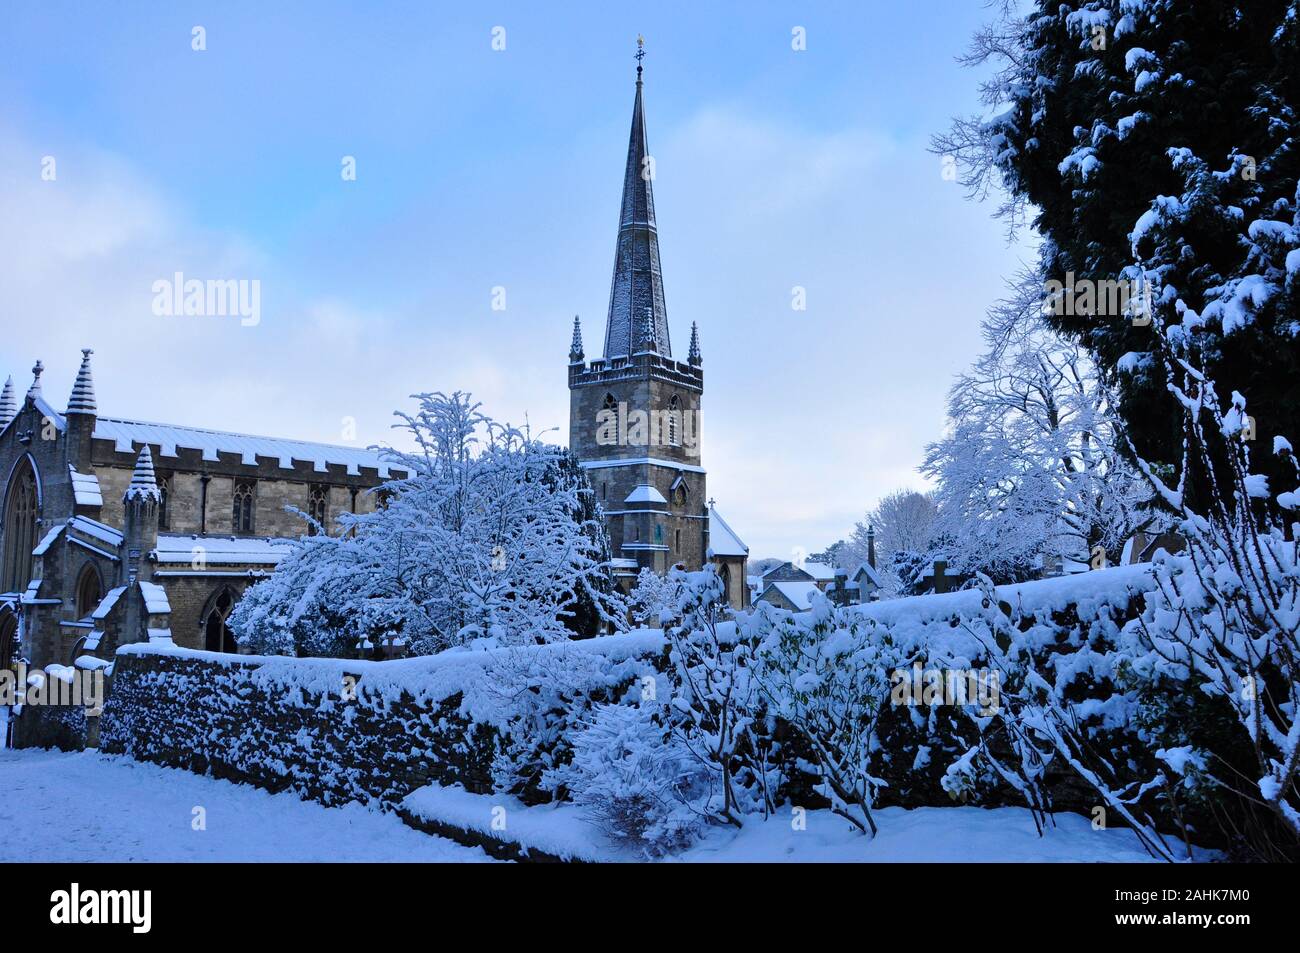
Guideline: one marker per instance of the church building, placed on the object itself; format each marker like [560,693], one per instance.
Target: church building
[634,413]
[114,531]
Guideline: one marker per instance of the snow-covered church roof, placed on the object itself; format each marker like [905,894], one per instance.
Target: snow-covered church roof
[126,434]
[723,541]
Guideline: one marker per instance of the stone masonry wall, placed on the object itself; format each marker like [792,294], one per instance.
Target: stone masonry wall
[219,717]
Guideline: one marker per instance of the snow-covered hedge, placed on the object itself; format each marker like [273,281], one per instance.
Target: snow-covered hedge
[340,730]
[735,717]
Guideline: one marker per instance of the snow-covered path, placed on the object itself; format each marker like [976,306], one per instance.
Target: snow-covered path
[64,807]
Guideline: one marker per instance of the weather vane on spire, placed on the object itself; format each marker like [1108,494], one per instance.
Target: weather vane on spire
[640,51]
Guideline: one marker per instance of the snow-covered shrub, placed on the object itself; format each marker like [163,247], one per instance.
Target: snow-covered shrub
[827,674]
[493,538]
[1224,620]
[634,781]
[539,703]
[717,709]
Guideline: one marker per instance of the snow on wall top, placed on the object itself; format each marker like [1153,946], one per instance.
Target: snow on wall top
[85,488]
[96,529]
[44,545]
[428,678]
[106,604]
[126,434]
[155,598]
[221,549]
[645,493]
[1044,595]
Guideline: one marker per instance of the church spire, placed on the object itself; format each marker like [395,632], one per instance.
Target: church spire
[83,391]
[8,404]
[575,349]
[693,356]
[638,318]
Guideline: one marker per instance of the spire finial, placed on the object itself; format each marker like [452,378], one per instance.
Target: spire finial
[575,349]
[83,391]
[35,390]
[144,484]
[693,354]
[8,404]
[640,55]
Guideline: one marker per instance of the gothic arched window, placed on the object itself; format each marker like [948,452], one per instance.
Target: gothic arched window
[8,638]
[90,591]
[318,507]
[244,498]
[610,403]
[22,503]
[217,636]
[674,422]
[164,481]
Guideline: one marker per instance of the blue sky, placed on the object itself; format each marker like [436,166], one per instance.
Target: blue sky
[479,168]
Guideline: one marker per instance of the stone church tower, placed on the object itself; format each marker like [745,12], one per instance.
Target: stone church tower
[634,414]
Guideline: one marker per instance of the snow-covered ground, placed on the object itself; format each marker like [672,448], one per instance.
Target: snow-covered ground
[925,835]
[64,807]
[94,807]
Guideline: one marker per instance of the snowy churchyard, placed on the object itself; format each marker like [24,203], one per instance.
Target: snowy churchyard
[360,510]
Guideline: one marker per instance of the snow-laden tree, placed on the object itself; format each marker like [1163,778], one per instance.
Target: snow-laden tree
[1161,132]
[655,598]
[490,537]
[1031,467]
[903,523]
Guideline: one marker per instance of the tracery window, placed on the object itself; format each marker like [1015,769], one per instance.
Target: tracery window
[164,481]
[245,498]
[22,503]
[318,506]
